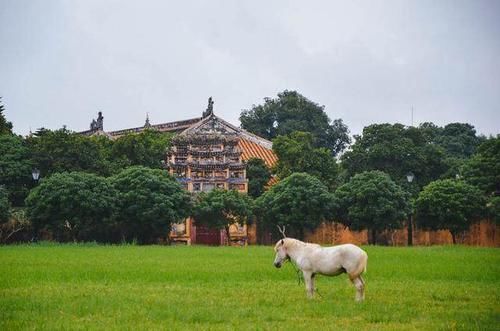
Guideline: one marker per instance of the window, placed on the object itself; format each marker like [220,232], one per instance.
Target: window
[220,174]
[236,174]
[238,187]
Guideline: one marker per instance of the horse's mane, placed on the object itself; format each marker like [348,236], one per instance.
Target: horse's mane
[292,242]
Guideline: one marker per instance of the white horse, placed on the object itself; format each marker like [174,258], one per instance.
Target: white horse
[313,259]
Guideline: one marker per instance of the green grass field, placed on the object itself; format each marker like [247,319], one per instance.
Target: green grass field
[55,287]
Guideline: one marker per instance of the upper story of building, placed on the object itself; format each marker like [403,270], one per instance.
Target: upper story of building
[199,129]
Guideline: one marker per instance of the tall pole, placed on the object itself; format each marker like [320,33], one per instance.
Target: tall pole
[410,229]
[409,177]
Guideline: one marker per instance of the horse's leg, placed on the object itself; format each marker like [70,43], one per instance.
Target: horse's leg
[360,287]
[313,277]
[363,288]
[308,280]
[362,281]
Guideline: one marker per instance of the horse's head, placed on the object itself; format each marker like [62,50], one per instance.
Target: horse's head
[281,255]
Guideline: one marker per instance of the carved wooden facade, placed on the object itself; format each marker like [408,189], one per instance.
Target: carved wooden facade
[209,155]
[204,162]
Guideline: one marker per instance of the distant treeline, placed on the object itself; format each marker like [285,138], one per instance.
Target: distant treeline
[95,188]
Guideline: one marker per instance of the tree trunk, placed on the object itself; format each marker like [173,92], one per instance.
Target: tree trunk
[453,237]
[227,235]
[410,231]
[372,238]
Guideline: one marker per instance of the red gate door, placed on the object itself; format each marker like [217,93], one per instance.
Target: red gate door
[207,236]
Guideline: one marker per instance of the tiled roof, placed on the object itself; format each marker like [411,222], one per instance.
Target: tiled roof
[272,181]
[251,149]
[176,126]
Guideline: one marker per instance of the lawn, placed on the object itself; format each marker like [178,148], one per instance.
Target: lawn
[54,287]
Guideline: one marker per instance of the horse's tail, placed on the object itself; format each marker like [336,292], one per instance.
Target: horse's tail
[364,262]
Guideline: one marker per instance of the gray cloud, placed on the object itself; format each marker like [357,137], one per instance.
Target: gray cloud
[366,61]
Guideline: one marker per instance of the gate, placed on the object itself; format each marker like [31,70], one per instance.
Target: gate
[207,236]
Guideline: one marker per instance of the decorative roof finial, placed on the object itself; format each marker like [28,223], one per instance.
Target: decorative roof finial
[100,121]
[210,108]
[98,124]
[147,124]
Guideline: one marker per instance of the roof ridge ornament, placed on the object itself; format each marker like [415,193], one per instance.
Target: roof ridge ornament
[98,124]
[210,108]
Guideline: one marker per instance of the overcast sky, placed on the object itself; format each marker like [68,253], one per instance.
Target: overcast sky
[365,61]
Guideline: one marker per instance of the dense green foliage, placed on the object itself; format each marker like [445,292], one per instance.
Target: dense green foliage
[72,206]
[396,150]
[89,287]
[450,205]
[5,126]
[218,209]
[147,148]
[371,200]
[458,139]
[148,201]
[15,168]
[296,153]
[258,175]
[136,204]
[62,150]
[483,168]
[290,112]
[4,205]
[299,202]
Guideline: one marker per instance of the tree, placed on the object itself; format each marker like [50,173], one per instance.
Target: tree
[459,140]
[296,153]
[483,168]
[5,126]
[15,168]
[371,200]
[397,150]
[300,202]
[291,111]
[258,175]
[146,148]
[62,150]
[75,206]
[65,151]
[449,205]
[218,209]
[148,202]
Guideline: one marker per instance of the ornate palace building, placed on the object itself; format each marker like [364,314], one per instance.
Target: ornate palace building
[207,153]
